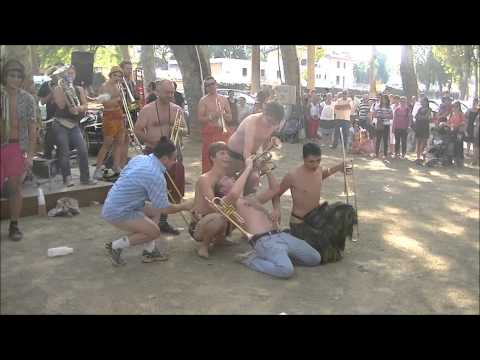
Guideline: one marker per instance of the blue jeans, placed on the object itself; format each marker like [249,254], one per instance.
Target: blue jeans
[64,138]
[344,127]
[273,252]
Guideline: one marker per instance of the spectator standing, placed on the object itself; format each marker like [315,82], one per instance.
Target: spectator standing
[401,122]
[343,109]
[470,117]
[233,109]
[243,109]
[456,122]
[327,114]
[313,118]
[422,128]
[383,115]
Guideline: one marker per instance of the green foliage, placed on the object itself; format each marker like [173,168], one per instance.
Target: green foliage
[230,51]
[382,69]
[360,73]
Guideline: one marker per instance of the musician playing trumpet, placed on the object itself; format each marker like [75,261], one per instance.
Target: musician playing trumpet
[215,117]
[71,105]
[113,123]
[253,133]
[155,120]
[272,248]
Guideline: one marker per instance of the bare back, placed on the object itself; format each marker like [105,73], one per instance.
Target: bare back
[305,187]
[250,125]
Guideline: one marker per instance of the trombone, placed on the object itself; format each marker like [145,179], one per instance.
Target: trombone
[137,142]
[228,211]
[349,170]
[221,119]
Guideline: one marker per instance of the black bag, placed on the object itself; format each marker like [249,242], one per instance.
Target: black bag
[326,228]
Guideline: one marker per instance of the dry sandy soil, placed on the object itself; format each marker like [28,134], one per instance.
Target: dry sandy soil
[418,253]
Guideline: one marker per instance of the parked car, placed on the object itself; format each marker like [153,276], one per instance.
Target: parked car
[250,100]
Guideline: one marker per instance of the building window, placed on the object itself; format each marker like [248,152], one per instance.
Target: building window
[244,71]
[303,62]
[325,76]
[344,65]
[338,80]
[262,72]
[343,82]
[338,64]
[279,74]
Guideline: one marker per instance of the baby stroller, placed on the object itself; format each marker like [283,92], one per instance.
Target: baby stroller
[441,149]
[290,130]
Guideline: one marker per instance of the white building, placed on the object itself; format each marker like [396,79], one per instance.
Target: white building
[224,70]
[332,70]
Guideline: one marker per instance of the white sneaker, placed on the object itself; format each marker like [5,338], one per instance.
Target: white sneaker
[98,174]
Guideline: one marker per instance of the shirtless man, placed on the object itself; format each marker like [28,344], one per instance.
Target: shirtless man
[272,248]
[256,130]
[113,124]
[210,108]
[154,121]
[207,226]
[305,183]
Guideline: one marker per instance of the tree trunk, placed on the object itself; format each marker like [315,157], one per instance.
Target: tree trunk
[465,82]
[23,54]
[255,88]
[311,67]
[193,72]
[407,72]
[148,65]
[372,72]
[80,47]
[125,53]
[35,60]
[477,69]
[291,69]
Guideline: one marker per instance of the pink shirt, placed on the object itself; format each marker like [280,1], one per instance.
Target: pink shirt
[401,117]
[456,120]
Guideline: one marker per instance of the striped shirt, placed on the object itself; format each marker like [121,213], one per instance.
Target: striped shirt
[385,114]
[141,180]
[363,110]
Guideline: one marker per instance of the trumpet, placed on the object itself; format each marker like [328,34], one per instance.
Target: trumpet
[266,154]
[228,211]
[179,127]
[221,119]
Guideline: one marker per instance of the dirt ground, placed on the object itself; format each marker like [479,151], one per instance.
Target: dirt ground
[418,253]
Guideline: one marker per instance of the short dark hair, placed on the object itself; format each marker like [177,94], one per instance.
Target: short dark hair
[125,62]
[164,147]
[311,149]
[215,147]
[274,109]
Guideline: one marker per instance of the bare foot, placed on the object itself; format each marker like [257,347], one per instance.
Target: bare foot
[202,252]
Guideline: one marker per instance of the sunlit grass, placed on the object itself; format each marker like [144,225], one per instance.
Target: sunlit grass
[421,179]
[412,184]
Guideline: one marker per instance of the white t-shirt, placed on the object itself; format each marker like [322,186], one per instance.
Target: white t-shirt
[415,109]
[328,111]
[315,110]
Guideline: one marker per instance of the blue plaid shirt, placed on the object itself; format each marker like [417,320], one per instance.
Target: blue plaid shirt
[141,180]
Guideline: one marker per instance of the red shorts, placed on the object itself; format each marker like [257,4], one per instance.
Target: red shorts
[12,162]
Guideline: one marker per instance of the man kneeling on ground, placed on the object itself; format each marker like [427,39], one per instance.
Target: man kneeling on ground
[305,183]
[273,249]
[125,208]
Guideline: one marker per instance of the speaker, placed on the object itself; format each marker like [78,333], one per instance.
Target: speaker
[83,62]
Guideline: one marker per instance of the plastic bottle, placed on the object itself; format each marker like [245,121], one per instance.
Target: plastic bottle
[59,251]
[42,208]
